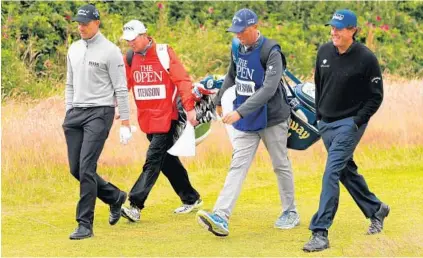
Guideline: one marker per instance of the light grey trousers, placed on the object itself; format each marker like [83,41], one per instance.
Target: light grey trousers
[245,147]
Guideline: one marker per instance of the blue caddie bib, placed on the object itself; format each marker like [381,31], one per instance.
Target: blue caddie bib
[249,78]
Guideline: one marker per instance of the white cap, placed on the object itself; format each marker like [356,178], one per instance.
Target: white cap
[132,29]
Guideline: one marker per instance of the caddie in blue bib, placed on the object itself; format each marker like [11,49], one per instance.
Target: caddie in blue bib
[249,79]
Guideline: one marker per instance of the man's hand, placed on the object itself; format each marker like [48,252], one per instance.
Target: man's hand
[192,117]
[231,118]
[219,111]
[126,123]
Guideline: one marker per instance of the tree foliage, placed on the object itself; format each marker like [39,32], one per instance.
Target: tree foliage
[36,35]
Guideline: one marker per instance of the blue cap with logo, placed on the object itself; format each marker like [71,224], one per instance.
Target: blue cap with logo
[86,14]
[343,19]
[243,19]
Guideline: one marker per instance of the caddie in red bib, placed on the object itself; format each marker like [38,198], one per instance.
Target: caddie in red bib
[157,78]
[154,92]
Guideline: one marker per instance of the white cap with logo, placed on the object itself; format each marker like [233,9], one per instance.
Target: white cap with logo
[132,29]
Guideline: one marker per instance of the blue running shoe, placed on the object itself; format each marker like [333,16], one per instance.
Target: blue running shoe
[213,223]
[288,220]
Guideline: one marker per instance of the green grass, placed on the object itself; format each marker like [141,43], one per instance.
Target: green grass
[38,210]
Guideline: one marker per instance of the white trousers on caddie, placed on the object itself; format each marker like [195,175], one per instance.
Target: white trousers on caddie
[245,146]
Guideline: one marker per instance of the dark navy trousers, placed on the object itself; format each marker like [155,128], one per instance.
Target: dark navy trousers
[341,138]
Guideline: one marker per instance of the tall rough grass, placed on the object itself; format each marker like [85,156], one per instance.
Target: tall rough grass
[33,137]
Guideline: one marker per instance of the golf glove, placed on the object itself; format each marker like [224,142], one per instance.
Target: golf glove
[125,134]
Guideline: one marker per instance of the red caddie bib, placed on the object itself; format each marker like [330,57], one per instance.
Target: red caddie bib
[154,93]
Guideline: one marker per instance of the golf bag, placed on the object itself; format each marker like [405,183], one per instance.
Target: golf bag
[205,110]
[303,130]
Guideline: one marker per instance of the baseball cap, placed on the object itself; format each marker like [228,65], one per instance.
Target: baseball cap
[343,19]
[132,29]
[86,14]
[243,19]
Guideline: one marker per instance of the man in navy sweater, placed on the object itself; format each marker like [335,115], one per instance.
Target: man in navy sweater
[349,90]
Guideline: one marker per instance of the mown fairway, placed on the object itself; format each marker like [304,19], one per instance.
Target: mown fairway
[39,195]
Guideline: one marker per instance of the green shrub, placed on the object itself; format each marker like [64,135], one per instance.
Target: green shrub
[36,35]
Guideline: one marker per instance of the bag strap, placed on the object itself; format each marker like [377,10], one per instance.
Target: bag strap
[285,82]
[235,47]
[129,57]
[267,47]
[161,51]
[163,55]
